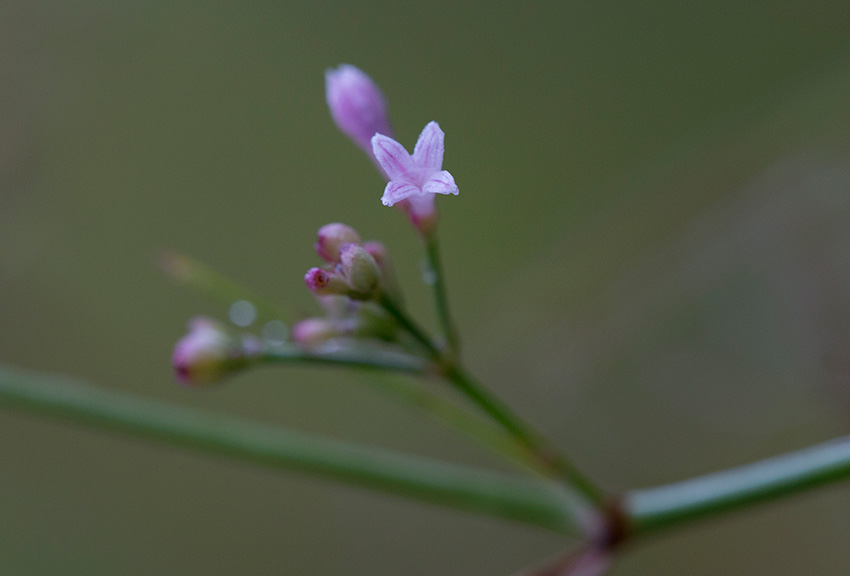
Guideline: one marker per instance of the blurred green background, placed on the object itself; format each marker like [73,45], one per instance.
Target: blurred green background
[649,258]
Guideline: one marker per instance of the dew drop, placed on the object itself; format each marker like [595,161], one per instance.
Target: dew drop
[275,332]
[243,313]
[429,275]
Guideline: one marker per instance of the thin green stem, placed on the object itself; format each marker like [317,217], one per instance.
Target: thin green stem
[437,280]
[350,356]
[546,456]
[667,506]
[411,327]
[459,487]
[473,426]
[375,358]
[213,283]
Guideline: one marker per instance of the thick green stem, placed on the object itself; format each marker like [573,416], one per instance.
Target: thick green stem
[438,284]
[667,506]
[437,482]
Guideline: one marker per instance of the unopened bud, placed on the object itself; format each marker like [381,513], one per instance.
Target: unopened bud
[324,282]
[331,237]
[377,251]
[360,269]
[314,331]
[207,353]
[357,106]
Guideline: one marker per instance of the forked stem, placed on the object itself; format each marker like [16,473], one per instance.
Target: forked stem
[546,457]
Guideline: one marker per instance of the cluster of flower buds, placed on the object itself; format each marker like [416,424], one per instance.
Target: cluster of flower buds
[352,271]
[345,318]
[347,287]
[209,352]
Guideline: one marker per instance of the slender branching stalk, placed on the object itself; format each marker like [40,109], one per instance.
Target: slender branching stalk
[546,456]
[526,500]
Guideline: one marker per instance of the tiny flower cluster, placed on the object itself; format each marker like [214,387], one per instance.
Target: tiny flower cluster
[352,271]
[357,275]
[346,287]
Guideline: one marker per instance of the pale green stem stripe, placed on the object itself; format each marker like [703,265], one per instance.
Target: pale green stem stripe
[432,481]
[440,295]
[666,506]
[350,356]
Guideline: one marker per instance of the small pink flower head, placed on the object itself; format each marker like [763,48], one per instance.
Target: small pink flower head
[415,178]
[357,105]
[206,354]
[331,237]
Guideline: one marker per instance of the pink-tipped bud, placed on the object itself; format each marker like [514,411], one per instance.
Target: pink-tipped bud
[324,282]
[389,283]
[360,269]
[314,331]
[206,354]
[377,251]
[357,106]
[331,237]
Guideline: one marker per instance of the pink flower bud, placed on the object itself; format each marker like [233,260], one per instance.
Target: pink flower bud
[360,269]
[325,282]
[357,106]
[331,237]
[313,331]
[377,251]
[206,354]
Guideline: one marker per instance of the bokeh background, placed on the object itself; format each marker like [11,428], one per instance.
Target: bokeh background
[649,258]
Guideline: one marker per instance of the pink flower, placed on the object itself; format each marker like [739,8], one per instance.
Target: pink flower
[357,106]
[415,178]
